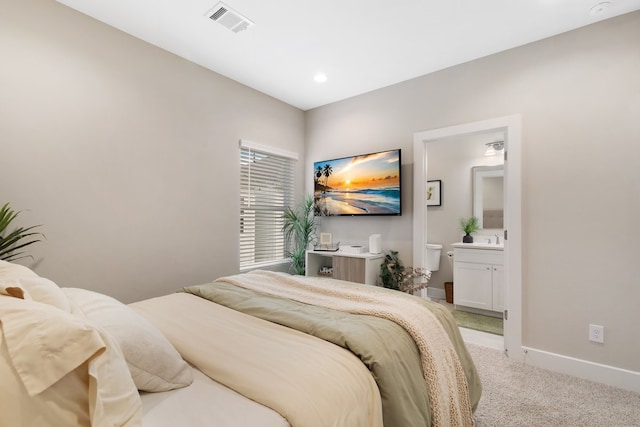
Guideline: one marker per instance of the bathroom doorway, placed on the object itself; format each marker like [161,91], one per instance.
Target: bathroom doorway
[509,128]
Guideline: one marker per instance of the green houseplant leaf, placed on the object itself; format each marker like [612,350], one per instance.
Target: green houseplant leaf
[13,243]
[469,225]
[394,275]
[299,230]
[390,270]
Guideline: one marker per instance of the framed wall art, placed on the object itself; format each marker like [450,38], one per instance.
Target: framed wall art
[434,193]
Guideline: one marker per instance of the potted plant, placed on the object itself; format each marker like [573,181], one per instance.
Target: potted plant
[469,225]
[18,238]
[299,231]
[390,270]
[394,275]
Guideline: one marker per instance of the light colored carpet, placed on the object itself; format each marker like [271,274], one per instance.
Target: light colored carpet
[518,395]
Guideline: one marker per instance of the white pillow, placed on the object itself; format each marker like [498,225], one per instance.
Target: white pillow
[57,370]
[154,363]
[9,270]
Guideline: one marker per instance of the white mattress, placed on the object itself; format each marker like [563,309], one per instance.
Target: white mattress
[205,403]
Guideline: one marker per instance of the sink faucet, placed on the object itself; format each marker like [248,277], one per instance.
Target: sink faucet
[497,239]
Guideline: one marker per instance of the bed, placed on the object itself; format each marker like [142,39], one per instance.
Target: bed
[260,348]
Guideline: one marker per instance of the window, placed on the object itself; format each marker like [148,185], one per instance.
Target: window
[266,190]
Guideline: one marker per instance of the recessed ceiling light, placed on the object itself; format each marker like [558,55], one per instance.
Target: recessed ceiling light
[320,78]
[599,8]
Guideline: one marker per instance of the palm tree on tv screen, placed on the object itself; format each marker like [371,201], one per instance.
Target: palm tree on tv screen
[328,170]
[318,174]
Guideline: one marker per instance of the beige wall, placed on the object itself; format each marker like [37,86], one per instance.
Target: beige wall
[127,154]
[579,97]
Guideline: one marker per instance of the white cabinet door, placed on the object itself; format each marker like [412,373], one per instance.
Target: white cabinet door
[473,285]
[498,288]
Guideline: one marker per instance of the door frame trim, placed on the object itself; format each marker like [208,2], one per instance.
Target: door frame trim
[511,126]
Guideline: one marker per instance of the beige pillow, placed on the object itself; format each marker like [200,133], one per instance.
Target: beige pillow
[154,363]
[32,286]
[41,290]
[57,370]
[9,272]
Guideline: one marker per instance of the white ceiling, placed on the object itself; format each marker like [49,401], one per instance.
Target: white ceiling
[361,45]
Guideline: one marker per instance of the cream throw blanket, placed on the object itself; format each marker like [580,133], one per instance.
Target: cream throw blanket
[446,381]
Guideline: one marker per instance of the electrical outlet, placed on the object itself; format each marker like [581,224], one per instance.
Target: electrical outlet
[596,333]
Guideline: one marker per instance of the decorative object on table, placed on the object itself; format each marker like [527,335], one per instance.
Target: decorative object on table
[299,229]
[394,275]
[434,193]
[469,225]
[326,238]
[326,243]
[375,244]
[334,247]
[353,249]
[325,271]
[19,238]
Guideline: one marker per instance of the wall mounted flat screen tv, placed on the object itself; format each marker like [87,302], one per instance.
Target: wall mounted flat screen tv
[367,184]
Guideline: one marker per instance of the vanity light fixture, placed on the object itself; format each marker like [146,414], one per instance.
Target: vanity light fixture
[494,148]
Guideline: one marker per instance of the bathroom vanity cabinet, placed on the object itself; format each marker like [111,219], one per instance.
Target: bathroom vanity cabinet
[478,276]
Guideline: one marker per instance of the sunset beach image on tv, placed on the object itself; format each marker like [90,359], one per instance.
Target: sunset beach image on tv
[367,184]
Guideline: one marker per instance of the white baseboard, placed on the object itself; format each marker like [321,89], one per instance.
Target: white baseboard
[605,374]
[597,372]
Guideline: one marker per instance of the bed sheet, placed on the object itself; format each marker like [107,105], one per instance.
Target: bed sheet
[205,403]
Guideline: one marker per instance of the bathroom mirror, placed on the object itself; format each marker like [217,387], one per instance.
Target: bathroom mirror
[488,196]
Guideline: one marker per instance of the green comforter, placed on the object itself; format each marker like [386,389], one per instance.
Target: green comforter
[383,346]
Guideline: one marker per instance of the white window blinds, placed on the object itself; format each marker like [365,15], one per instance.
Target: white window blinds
[266,190]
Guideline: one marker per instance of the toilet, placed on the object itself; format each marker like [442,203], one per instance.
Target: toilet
[433,256]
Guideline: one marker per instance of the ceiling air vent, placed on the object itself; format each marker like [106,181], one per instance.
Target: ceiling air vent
[229,18]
